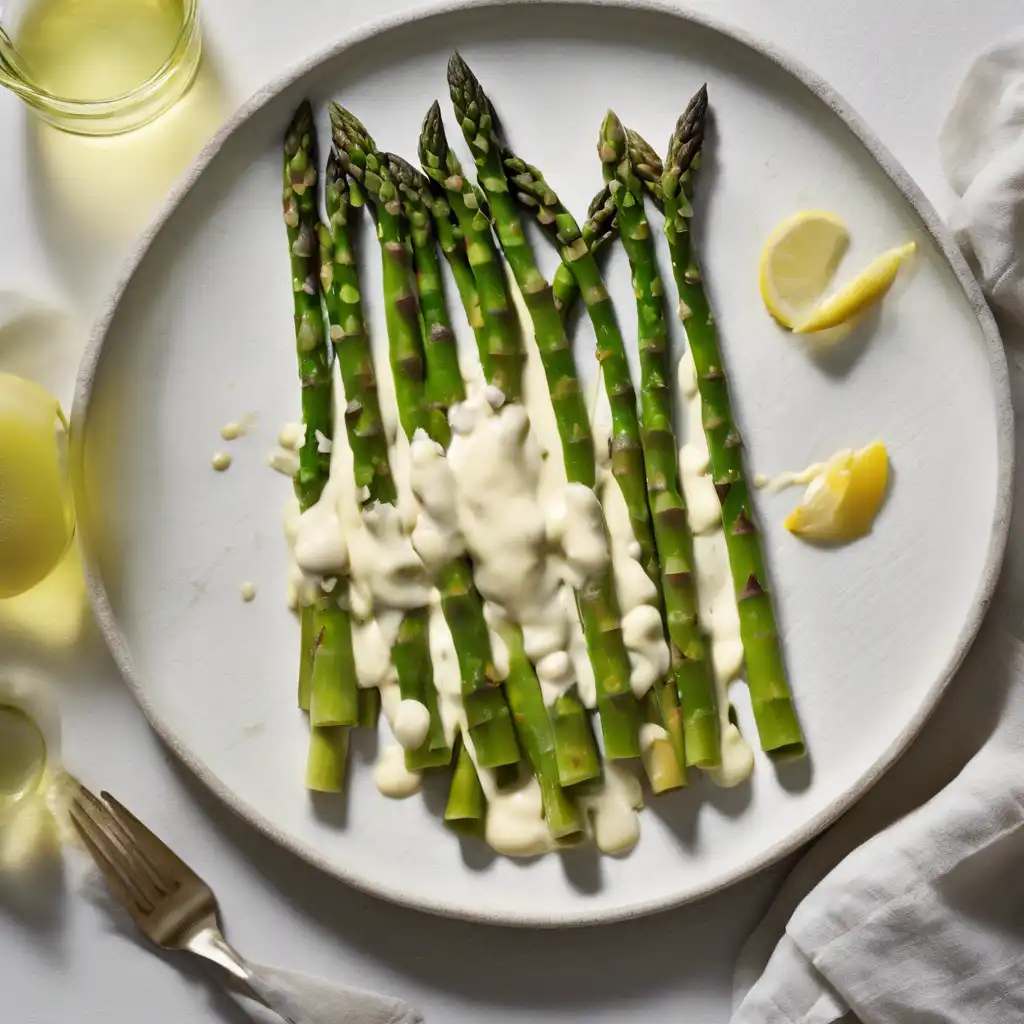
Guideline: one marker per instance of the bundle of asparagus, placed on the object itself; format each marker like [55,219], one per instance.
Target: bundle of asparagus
[478,230]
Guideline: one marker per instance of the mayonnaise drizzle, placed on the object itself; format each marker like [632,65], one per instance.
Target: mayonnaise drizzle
[779,482]
[496,467]
[392,777]
[642,630]
[719,615]
[412,723]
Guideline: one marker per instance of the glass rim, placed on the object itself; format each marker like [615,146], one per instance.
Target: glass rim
[100,109]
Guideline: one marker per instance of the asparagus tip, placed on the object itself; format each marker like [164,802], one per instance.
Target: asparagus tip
[458,69]
[688,135]
[300,124]
[612,139]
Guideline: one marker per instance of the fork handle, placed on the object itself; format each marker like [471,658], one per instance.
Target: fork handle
[211,945]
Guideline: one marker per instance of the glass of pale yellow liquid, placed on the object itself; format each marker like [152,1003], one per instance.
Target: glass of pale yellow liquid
[22,758]
[99,67]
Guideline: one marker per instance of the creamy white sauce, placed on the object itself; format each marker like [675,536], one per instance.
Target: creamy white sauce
[716,596]
[283,461]
[320,546]
[437,536]
[235,429]
[779,482]
[575,528]
[612,808]
[384,564]
[412,723]
[495,464]
[392,777]
[291,436]
[220,461]
[643,632]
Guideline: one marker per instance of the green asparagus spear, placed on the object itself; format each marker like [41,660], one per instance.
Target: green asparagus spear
[601,224]
[466,811]
[770,696]
[627,457]
[327,670]
[340,281]
[596,598]
[453,245]
[536,736]
[444,387]
[502,359]
[690,655]
[599,228]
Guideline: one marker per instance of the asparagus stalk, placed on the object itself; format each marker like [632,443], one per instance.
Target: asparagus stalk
[502,360]
[503,357]
[770,696]
[627,457]
[466,811]
[536,735]
[453,246]
[327,672]
[427,366]
[601,223]
[598,228]
[444,387]
[690,655]
[596,598]
[343,298]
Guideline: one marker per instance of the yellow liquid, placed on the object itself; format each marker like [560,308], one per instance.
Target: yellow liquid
[97,49]
[22,756]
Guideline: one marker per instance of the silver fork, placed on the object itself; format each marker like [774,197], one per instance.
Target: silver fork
[172,906]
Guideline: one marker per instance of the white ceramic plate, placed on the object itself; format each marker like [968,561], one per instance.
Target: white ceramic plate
[200,333]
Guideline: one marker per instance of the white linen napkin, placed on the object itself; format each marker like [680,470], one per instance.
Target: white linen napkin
[925,921]
[302,999]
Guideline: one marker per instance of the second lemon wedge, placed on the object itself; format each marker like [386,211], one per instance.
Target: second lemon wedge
[866,288]
[842,501]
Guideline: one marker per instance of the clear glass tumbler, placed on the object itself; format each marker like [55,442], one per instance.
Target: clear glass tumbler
[99,67]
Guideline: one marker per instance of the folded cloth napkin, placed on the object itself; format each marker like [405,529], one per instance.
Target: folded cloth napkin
[924,922]
[301,999]
[982,151]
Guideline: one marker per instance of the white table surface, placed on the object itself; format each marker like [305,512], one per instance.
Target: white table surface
[62,958]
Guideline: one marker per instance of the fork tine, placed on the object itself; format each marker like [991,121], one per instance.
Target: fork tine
[143,871]
[110,861]
[163,858]
[126,826]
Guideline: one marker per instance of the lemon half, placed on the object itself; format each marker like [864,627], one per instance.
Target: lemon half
[842,501]
[36,514]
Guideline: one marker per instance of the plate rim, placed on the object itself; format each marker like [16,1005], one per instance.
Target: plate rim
[936,228]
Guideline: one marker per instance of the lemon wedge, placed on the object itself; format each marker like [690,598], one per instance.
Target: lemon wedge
[36,515]
[842,501]
[864,290]
[798,262]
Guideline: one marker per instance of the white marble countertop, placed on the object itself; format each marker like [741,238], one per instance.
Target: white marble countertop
[62,959]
